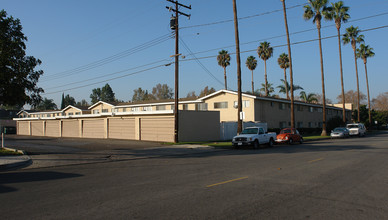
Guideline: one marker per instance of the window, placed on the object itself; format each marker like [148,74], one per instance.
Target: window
[282,106]
[299,108]
[310,124]
[261,131]
[311,109]
[104,110]
[218,105]
[271,104]
[299,124]
[245,103]
[320,124]
[201,107]
[135,109]
[71,113]
[160,107]
[124,109]
[282,124]
[319,109]
[77,113]
[147,108]
[96,111]
[48,115]
[116,110]
[329,112]
[185,106]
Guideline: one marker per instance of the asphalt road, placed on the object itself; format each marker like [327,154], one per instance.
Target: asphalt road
[328,179]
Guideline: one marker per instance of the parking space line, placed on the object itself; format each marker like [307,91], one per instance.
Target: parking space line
[216,184]
[312,161]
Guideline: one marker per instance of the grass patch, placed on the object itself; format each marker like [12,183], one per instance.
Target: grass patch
[219,144]
[315,137]
[5,152]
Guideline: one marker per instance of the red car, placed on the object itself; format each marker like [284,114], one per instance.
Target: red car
[289,135]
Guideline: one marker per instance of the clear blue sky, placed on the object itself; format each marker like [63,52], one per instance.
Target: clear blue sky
[74,38]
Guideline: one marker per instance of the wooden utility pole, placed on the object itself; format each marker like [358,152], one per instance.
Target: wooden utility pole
[176,55]
[239,98]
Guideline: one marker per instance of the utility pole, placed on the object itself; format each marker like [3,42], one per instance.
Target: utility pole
[239,94]
[176,55]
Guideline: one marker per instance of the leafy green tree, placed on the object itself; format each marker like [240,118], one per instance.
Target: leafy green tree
[265,51]
[162,92]
[223,60]
[365,52]
[206,91]
[191,95]
[314,10]
[339,13]
[68,100]
[251,64]
[63,101]
[141,95]
[353,37]
[284,63]
[18,77]
[309,98]
[266,89]
[82,103]
[46,104]
[105,94]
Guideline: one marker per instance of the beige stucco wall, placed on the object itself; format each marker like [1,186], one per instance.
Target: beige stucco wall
[230,113]
[102,106]
[72,110]
[199,126]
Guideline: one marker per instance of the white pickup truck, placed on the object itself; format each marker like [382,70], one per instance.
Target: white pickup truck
[254,136]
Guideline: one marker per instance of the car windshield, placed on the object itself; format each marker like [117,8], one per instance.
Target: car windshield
[285,131]
[352,126]
[339,129]
[249,131]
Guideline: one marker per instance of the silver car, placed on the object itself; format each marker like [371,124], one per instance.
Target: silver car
[339,132]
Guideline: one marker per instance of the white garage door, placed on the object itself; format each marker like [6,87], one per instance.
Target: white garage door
[93,128]
[52,128]
[70,128]
[37,128]
[157,129]
[122,128]
[23,128]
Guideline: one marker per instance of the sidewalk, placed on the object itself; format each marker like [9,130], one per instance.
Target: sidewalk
[13,162]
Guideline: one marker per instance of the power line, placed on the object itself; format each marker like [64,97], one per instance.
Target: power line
[130,74]
[242,18]
[109,59]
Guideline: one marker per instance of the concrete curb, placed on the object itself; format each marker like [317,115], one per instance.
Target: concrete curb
[15,162]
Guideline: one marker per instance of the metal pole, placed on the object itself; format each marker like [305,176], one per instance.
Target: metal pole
[176,113]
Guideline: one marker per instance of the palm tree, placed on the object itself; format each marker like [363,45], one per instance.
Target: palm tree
[223,59]
[265,51]
[289,53]
[352,36]
[315,10]
[267,88]
[251,64]
[284,63]
[339,13]
[283,88]
[309,98]
[364,52]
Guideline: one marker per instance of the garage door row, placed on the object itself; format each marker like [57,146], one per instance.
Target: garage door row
[150,129]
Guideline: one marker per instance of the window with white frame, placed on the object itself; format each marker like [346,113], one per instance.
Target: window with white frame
[299,124]
[147,108]
[71,113]
[201,107]
[104,110]
[311,109]
[160,107]
[96,111]
[185,107]
[135,109]
[245,103]
[282,106]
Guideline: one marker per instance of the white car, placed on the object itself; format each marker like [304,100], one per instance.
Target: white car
[356,129]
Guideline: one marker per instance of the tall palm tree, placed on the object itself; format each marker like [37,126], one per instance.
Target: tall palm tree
[265,51]
[223,59]
[289,53]
[309,98]
[315,10]
[284,63]
[353,36]
[364,52]
[339,13]
[251,64]
[286,87]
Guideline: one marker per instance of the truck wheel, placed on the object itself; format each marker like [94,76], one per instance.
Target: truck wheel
[271,142]
[256,144]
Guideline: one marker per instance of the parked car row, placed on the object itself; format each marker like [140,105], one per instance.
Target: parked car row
[255,136]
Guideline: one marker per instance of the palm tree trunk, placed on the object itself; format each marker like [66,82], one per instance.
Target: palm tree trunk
[285,83]
[226,86]
[291,74]
[358,86]
[253,88]
[265,77]
[342,77]
[367,87]
[323,83]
